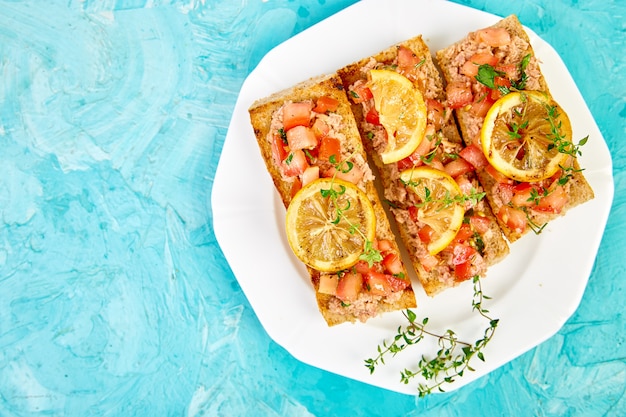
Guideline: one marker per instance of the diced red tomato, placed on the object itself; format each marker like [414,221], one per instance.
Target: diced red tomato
[328,284]
[505,192]
[296,114]
[424,147]
[480,223]
[464,234]
[325,104]
[360,93]
[465,271]
[429,261]
[301,137]
[295,163]
[296,186]
[378,283]
[393,263]
[464,184]
[458,166]
[461,253]
[362,267]
[482,103]
[522,195]
[470,68]
[435,113]
[496,93]
[329,146]
[435,163]
[310,174]
[372,117]
[384,245]
[408,61]
[515,219]
[458,94]
[349,286]
[279,153]
[494,36]
[426,233]
[413,213]
[554,201]
[475,156]
[497,175]
[509,70]
[320,128]
[353,176]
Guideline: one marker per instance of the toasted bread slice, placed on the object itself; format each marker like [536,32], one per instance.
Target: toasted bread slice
[266,117]
[438,272]
[515,221]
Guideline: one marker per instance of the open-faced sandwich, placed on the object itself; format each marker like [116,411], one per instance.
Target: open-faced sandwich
[504,107]
[335,223]
[447,227]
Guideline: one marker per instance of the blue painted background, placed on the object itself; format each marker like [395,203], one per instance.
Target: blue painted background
[115,299]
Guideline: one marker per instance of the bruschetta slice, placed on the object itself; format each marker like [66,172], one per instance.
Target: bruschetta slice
[308,138]
[436,200]
[504,107]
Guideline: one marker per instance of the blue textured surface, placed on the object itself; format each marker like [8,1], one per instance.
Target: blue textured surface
[115,299]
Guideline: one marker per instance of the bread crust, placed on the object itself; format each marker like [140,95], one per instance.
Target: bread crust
[430,83]
[579,190]
[261,113]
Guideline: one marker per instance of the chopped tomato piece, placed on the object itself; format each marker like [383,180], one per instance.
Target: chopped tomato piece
[320,128]
[378,283]
[499,82]
[475,156]
[482,103]
[301,137]
[465,271]
[372,116]
[360,93]
[480,223]
[523,195]
[384,245]
[494,36]
[458,95]
[328,284]
[429,261]
[296,186]
[424,147]
[393,263]
[325,104]
[362,267]
[464,234]
[497,175]
[354,175]
[435,113]
[413,213]
[461,253]
[279,153]
[464,184]
[349,286]
[510,71]
[329,146]
[554,201]
[470,68]
[458,167]
[310,174]
[515,219]
[295,163]
[296,114]
[505,192]
[408,62]
[426,233]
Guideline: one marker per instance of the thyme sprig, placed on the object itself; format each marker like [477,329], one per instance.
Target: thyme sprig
[447,200]
[452,359]
[370,254]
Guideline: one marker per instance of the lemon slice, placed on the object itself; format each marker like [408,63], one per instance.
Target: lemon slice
[328,224]
[402,112]
[521,134]
[440,206]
